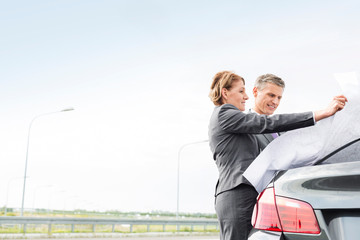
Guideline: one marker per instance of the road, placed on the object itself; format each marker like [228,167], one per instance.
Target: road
[143,238]
[129,238]
[112,236]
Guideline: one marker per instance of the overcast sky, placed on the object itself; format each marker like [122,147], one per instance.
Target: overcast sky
[138,75]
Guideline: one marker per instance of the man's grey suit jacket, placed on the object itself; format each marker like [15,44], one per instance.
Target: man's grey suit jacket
[234,145]
[263,140]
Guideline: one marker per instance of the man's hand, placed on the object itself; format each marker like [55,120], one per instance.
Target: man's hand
[336,104]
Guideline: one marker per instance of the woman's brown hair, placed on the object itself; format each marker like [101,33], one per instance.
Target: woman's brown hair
[221,80]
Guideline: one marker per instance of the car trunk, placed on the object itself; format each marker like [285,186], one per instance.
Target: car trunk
[333,190]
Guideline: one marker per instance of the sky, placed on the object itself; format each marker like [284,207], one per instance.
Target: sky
[138,74]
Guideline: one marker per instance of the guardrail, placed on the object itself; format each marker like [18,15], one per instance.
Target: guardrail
[24,221]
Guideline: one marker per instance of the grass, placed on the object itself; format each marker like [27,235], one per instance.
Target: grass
[65,228]
[88,228]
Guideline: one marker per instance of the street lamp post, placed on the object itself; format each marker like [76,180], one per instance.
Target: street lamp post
[178,172]
[27,151]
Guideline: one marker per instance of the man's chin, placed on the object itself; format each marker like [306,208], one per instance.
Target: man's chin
[270,112]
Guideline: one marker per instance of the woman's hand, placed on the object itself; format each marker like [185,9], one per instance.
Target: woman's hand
[336,104]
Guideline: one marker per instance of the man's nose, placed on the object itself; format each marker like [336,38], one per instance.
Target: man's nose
[276,101]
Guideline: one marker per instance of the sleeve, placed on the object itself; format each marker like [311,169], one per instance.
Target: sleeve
[231,119]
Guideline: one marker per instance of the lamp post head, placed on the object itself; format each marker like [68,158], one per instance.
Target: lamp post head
[67,109]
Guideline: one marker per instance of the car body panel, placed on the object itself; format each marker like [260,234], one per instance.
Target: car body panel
[323,186]
[345,226]
[256,234]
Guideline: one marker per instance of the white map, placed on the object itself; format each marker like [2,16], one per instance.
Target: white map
[305,146]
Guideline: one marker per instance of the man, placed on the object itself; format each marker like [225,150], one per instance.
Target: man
[267,92]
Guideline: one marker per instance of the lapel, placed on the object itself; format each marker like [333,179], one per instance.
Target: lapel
[268,137]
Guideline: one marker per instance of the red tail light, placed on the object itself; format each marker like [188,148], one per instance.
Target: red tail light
[265,215]
[274,213]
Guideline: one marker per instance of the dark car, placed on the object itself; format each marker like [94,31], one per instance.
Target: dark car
[313,202]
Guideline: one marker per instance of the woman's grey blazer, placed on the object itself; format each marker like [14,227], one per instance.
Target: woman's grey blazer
[234,145]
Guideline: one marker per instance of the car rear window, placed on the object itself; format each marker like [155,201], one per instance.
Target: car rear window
[348,153]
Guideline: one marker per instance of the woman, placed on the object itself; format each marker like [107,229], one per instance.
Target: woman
[234,147]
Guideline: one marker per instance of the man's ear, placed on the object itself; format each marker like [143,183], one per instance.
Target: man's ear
[224,93]
[255,91]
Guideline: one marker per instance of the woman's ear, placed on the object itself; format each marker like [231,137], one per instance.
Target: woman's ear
[224,93]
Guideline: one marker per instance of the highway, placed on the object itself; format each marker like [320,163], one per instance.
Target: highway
[143,238]
[79,236]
